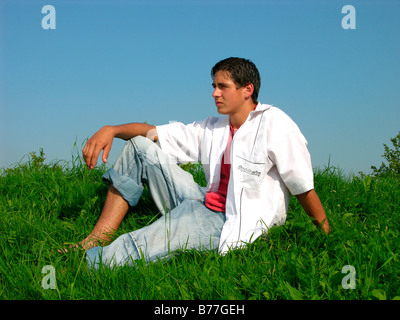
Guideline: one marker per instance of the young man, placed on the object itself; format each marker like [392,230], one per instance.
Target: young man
[254,157]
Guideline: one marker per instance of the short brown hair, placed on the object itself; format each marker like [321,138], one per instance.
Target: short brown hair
[242,71]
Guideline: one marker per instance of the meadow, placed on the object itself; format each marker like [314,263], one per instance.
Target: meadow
[44,207]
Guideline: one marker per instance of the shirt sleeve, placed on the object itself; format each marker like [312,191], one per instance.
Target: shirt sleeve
[180,142]
[287,148]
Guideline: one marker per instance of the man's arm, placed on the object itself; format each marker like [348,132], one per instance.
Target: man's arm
[103,139]
[313,207]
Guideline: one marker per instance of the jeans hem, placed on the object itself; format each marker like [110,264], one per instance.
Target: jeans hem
[126,186]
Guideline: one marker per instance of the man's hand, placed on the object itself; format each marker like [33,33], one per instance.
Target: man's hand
[101,140]
[313,207]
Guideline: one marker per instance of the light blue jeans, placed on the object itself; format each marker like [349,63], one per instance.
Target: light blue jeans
[186,223]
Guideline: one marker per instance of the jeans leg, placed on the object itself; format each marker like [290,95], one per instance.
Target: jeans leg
[188,224]
[122,251]
[191,225]
[142,161]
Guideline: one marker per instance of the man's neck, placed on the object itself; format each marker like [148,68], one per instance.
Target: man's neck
[237,119]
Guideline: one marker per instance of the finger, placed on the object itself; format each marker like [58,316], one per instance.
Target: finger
[94,156]
[106,152]
[88,153]
[84,153]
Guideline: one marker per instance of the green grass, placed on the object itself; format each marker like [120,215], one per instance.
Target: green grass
[44,206]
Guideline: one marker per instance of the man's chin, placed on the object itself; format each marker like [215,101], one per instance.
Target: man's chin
[221,110]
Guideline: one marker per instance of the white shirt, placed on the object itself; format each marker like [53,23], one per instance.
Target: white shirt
[269,160]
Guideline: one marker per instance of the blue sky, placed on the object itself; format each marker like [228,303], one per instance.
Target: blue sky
[114,62]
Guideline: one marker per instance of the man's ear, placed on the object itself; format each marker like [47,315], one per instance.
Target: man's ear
[248,90]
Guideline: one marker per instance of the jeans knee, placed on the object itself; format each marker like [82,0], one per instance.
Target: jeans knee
[143,145]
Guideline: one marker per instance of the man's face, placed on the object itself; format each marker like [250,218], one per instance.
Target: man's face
[228,97]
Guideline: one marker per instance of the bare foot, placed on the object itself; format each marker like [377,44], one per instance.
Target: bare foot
[89,242]
[93,241]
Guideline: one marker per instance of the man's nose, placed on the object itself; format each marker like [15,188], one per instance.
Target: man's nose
[216,93]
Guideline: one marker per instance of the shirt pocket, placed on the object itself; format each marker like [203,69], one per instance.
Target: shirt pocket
[250,171]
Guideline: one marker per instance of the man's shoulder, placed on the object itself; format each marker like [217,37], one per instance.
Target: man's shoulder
[271,109]
[276,112]
[214,122]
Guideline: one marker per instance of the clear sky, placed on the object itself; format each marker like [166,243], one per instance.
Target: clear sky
[114,62]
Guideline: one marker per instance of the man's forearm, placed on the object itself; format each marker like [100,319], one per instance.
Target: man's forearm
[103,139]
[313,207]
[130,130]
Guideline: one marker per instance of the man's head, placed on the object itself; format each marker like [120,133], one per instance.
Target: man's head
[242,71]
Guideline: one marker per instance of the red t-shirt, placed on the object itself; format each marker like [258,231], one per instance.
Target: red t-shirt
[216,200]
